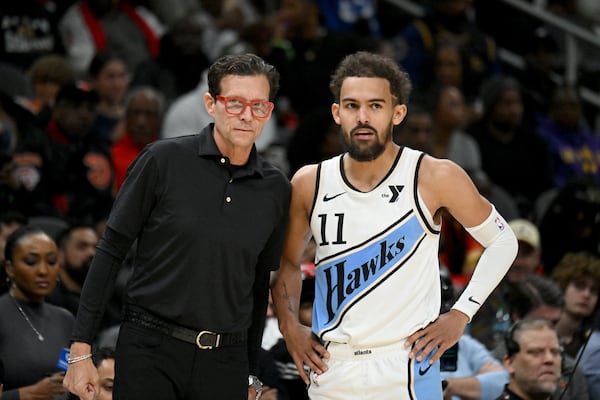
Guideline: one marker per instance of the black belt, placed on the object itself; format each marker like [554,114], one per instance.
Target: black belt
[204,339]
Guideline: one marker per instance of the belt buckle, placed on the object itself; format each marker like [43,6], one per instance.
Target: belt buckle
[208,346]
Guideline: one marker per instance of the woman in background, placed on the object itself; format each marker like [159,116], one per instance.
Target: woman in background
[109,77]
[31,344]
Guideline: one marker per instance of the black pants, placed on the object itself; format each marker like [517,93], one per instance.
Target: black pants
[151,365]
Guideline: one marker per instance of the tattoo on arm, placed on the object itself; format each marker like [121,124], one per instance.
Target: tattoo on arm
[286,295]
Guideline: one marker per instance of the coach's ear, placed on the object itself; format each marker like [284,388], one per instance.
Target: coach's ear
[209,104]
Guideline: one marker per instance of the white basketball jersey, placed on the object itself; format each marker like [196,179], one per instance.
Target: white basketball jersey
[377,268]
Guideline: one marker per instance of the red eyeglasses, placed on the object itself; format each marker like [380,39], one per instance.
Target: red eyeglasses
[237,105]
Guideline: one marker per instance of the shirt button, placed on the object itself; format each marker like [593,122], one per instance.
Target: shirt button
[228,199]
[223,160]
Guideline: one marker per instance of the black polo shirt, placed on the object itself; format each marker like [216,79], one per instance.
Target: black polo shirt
[203,229]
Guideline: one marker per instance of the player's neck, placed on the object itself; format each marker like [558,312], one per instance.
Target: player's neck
[366,175]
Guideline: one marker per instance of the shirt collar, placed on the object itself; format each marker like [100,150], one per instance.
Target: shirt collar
[207,148]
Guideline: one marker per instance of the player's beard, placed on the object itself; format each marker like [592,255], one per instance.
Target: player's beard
[367,152]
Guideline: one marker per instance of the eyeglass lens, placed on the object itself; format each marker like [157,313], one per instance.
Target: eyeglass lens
[236,106]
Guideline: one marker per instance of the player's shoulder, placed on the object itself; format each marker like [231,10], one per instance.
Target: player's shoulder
[305,175]
[437,170]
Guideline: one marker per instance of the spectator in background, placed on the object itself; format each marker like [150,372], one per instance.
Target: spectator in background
[533,361]
[312,54]
[28,30]
[589,362]
[226,19]
[8,128]
[348,15]
[535,296]
[232,13]
[512,155]
[448,65]
[446,21]
[25,174]
[539,297]
[449,119]
[76,248]
[528,259]
[10,221]
[104,360]
[82,172]
[539,76]
[574,147]
[575,208]
[579,13]
[47,75]
[32,342]
[92,26]
[578,274]
[181,62]
[450,68]
[109,78]
[491,16]
[143,115]
[8,182]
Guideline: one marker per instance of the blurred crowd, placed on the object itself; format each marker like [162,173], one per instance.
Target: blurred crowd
[85,85]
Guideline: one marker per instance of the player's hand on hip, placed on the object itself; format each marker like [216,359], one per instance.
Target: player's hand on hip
[305,349]
[439,335]
[82,379]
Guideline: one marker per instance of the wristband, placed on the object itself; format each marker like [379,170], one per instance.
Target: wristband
[78,358]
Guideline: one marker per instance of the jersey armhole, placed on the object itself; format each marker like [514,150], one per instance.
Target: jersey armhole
[316,194]
[422,210]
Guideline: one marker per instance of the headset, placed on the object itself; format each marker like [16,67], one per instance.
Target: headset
[512,347]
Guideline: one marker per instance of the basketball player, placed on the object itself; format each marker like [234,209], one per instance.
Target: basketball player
[374,213]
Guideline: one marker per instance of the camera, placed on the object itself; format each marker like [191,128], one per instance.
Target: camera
[449,360]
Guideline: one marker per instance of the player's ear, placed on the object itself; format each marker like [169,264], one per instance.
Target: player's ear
[400,111]
[335,112]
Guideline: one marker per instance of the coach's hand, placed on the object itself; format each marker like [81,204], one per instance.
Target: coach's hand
[441,334]
[82,377]
[305,349]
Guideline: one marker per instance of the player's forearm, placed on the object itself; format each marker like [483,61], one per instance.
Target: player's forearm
[500,250]
[285,292]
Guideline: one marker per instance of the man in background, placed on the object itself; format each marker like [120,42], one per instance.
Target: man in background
[533,361]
